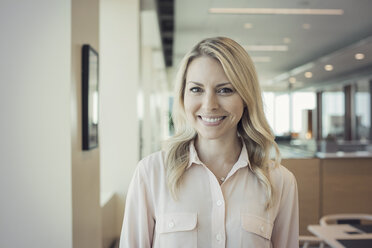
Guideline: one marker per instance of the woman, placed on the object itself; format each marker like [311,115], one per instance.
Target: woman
[214,185]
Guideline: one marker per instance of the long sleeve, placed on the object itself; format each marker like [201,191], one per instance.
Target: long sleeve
[285,232]
[138,224]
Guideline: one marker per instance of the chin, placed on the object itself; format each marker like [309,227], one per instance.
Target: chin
[209,136]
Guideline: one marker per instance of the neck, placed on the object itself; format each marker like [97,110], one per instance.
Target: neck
[218,152]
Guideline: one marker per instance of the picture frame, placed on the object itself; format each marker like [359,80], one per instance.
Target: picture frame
[90,83]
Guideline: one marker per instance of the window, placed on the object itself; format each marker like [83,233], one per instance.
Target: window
[362,110]
[301,101]
[276,107]
[281,115]
[333,113]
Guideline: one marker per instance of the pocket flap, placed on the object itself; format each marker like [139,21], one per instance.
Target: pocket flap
[257,225]
[176,222]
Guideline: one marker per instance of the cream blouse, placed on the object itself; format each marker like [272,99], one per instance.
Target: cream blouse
[206,213]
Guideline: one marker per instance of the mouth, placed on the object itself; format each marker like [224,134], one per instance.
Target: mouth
[212,120]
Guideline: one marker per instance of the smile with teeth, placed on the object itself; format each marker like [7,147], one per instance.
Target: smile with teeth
[212,119]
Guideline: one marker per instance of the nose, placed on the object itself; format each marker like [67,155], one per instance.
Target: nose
[210,102]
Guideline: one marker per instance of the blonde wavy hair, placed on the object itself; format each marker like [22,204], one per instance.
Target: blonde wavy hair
[253,126]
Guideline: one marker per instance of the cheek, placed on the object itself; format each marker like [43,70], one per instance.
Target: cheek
[190,116]
[239,108]
[189,104]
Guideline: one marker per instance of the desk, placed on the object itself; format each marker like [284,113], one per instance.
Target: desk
[342,236]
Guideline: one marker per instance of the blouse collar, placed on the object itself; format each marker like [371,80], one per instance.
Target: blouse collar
[243,159]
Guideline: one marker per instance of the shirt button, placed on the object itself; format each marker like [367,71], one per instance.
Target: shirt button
[171,224]
[218,237]
[219,203]
[262,228]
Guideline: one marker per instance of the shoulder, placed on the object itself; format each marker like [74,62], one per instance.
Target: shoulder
[152,159]
[152,164]
[281,176]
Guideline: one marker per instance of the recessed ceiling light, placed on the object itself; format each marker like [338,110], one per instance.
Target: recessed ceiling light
[304,3]
[266,48]
[276,11]
[292,80]
[248,25]
[328,67]
[359,56]
[306,26]
[286,40]
[261,59]
[308,74]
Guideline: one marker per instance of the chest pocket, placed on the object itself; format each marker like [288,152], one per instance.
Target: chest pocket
[256,231]
[177,230]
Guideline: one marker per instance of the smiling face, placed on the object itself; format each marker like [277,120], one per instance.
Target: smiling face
[212,105]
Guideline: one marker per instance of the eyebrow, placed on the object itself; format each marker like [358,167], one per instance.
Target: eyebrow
[218,85]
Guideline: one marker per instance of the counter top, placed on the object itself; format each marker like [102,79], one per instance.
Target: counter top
[357,154]
[326,150]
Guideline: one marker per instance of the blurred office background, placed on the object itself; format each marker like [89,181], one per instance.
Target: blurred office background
[314,60]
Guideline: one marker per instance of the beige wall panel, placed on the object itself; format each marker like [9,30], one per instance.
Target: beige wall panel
[86,228]
[347,185]
[306,172]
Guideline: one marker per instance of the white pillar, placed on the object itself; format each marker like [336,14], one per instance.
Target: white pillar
[119,79]
[35,143]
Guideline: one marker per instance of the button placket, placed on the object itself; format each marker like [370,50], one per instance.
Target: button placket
[218,212]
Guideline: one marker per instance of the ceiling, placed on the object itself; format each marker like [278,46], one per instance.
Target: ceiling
[312,40]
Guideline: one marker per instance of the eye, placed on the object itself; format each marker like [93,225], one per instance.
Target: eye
[196,89]
[225,91]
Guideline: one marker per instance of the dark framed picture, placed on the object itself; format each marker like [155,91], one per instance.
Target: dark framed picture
[90,63]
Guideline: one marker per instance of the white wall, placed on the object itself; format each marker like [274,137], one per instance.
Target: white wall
[87,231]
[35,161]
[119,77]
